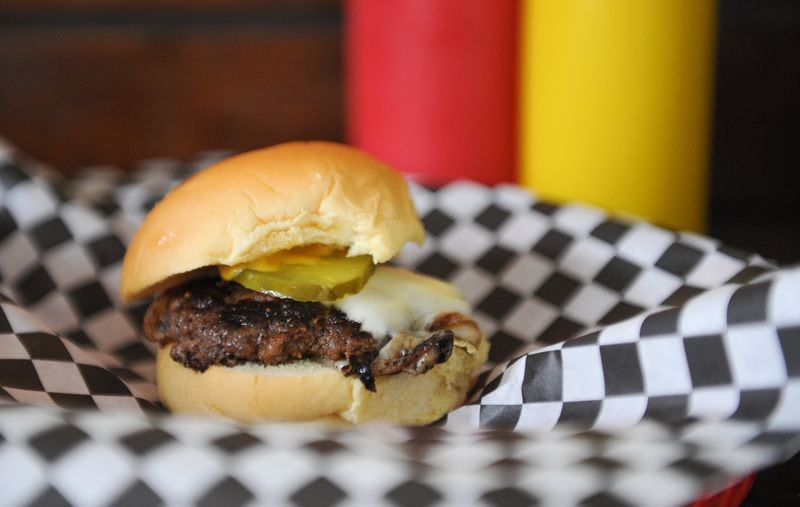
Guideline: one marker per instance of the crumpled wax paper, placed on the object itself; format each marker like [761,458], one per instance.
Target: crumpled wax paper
[630,365]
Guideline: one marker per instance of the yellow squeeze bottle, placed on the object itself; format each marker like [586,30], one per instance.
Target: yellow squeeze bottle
[616,104]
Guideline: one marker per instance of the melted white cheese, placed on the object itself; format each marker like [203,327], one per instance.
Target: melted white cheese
[395,300]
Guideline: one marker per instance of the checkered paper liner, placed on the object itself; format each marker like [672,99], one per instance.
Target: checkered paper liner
[630,365]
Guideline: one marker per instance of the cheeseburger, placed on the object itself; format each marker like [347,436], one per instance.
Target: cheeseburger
[272,300]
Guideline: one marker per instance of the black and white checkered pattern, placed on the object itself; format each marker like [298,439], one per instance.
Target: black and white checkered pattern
[84,458]
[675,358]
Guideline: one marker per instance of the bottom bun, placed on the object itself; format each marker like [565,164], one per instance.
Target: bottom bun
[310,391]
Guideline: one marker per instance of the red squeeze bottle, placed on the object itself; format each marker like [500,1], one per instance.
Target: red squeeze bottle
[431,86]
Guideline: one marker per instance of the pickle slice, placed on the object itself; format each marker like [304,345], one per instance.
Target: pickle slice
[326,279]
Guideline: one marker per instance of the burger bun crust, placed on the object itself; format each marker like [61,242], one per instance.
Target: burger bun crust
[310,391]
[266,201]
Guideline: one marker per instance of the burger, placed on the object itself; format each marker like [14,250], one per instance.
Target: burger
[272,299]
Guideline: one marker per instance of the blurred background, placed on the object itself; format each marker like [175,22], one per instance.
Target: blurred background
[89,82]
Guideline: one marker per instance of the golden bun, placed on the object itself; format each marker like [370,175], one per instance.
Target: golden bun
[266,201]
[312,392]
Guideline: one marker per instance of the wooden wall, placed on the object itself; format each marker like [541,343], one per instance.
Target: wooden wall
[91,81]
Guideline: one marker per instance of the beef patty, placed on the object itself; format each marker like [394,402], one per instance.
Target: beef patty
[218,322]
[214,322]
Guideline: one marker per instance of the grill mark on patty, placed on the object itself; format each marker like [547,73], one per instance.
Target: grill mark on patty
[214,322]
[217,322]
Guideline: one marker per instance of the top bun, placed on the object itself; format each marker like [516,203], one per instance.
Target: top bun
[266,201]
